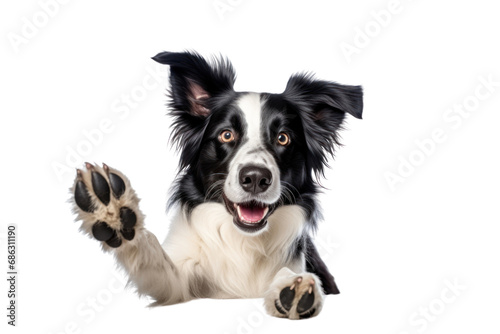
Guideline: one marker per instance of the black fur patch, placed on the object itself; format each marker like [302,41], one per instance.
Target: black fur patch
[315,265]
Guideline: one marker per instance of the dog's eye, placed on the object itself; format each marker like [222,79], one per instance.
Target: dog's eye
[226,136]
[283,139]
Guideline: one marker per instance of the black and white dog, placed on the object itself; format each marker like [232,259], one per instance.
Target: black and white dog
[245,194]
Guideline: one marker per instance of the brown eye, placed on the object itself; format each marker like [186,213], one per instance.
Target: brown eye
[226,136]
[283,139]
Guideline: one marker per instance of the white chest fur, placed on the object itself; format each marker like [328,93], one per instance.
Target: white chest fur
[210,247]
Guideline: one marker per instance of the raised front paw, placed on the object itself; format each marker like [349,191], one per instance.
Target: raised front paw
[106,204]
[294,296]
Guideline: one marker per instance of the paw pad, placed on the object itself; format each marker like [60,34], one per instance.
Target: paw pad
[116,182]
[82,197]
[102,231]
[101,187]
[299,295]
[92,192]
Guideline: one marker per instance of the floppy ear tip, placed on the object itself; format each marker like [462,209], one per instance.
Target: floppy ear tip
[162,57]
[358,114]
[357,108]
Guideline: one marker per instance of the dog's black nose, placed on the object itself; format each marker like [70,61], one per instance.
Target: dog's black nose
[255,179]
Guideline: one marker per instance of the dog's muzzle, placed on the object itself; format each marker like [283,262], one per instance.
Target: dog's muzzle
[255,203]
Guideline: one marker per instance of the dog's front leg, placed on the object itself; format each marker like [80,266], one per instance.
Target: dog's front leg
[151,270]
[294,295]
[109,210]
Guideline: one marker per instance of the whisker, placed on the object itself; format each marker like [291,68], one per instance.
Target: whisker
[215,190]
[287,187]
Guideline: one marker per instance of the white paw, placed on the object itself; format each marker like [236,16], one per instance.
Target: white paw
[107,205]
[294,296]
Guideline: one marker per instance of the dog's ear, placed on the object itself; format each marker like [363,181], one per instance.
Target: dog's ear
[194,85]
[194,81]
[322,106]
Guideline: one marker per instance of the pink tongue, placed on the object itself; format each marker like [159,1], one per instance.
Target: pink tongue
[252,214]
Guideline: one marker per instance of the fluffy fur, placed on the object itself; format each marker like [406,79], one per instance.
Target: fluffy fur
[245,194]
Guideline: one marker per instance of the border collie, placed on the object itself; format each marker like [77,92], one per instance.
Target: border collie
[245,195]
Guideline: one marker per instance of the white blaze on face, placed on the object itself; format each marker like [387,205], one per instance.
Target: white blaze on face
[252,153]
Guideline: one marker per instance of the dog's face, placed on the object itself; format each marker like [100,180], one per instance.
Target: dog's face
[253,152]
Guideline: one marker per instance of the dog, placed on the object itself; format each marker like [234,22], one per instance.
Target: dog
[245,195]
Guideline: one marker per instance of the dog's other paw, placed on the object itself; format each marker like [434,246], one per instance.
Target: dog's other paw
[294,296]
[107,205]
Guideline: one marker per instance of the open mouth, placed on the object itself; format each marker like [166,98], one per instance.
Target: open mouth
[249,216]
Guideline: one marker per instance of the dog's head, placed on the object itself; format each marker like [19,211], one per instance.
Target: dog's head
[253,152]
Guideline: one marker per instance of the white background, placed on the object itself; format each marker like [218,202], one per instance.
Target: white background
[394,252]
